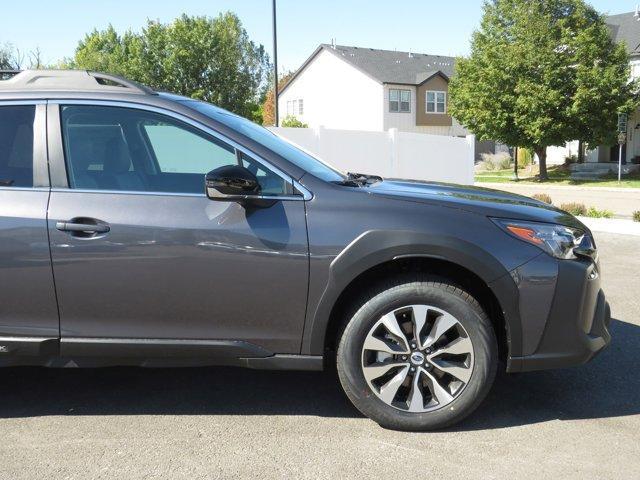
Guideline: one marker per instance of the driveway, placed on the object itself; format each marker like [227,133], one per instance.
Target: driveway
[232,423]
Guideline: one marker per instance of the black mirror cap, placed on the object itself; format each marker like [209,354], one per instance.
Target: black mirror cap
[232,183]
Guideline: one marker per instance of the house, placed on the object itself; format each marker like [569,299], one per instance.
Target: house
[356,88]
[624,28]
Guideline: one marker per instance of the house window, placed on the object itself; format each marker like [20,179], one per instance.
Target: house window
[399,100]
[295,107]
[436,102]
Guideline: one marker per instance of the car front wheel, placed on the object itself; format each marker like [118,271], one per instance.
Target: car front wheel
[417,355]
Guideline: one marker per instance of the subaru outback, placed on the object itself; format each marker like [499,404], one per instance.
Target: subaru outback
[149,229]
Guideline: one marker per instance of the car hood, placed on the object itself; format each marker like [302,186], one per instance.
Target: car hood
[485,201]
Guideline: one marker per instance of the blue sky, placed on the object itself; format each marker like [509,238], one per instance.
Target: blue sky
[426,26]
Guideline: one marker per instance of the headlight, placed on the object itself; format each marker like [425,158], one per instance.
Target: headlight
[558,241]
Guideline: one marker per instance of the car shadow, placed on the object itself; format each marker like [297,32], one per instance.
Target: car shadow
[608,387]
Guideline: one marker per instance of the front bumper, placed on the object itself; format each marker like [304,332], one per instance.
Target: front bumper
[576,327]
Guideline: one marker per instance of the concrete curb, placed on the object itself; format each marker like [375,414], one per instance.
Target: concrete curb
[612,225]
[546,186]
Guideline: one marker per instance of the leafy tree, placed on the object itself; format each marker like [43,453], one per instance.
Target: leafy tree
[268,107]
[211,59]
[541,73]
[293,122]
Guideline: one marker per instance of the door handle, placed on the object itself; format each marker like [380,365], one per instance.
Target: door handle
[81,227]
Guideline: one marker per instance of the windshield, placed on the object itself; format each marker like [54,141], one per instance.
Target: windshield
[270,140]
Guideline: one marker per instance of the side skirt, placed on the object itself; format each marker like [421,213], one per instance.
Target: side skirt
[107,352]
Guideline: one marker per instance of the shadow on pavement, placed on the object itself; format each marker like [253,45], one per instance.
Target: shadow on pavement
[607,387]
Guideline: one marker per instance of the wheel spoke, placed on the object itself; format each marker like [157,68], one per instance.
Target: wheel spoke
[376,370]
[419,319]
[416,399]
[391,324]
[378,345]
[460,346]
[388,390]
[442,324]
[438,392]
[457,370]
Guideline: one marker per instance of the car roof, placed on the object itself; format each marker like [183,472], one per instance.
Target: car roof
[68,81]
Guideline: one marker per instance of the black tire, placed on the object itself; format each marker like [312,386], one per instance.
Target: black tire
[396,294]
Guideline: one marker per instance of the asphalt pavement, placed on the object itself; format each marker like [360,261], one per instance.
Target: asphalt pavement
[208,423]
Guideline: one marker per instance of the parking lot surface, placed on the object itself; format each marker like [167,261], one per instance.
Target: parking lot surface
[232,423]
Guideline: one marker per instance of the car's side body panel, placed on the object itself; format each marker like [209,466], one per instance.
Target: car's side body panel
[387,230]
[27,297]
[181,267]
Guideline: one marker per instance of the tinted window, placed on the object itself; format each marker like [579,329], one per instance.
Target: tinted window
[113,148]
[180,151]
[16,145]
[271,141]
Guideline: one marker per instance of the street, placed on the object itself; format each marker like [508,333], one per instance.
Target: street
[234,423]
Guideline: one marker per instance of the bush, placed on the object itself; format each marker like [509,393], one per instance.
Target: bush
[569,159]
[636,216]
[574,208]
[595,213]
[525,157]
[543,197]
[292,122]
[495,161]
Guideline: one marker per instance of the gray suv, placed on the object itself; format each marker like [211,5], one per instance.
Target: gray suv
[149,229]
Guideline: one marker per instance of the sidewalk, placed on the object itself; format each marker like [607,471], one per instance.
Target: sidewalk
[612,225]
[621,201]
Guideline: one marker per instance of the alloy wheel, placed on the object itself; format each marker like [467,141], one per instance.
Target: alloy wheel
[417,358]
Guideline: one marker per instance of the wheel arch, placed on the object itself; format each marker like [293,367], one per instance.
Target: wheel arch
[376,254]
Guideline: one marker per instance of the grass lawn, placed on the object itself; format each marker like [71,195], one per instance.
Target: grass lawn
[558,175]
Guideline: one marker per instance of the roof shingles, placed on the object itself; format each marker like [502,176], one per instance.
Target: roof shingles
[625,27]
[390,66]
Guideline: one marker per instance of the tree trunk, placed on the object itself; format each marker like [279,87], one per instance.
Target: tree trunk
[542,158]
[580,151]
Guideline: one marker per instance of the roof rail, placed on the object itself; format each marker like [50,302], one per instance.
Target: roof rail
[69,80]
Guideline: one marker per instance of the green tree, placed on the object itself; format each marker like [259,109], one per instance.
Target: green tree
[211,59]
[292,122]
[541,73]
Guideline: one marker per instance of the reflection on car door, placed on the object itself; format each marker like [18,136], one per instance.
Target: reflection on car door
[139,252]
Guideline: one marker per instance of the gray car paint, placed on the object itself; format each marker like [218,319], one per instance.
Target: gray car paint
[181,267]
[376,224]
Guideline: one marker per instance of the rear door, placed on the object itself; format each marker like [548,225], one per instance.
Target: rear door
[154,258]
[27,298]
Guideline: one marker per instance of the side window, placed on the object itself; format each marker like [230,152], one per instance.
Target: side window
[125,149]
[270,183]
[178,150]
[16,145]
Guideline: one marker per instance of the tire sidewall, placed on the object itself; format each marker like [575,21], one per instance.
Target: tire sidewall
[438,295]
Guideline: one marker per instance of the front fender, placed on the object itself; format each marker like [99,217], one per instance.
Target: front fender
[376,247]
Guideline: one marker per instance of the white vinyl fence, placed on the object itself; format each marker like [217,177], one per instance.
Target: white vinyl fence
[391,154]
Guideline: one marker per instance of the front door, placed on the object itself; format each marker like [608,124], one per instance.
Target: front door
[139,252]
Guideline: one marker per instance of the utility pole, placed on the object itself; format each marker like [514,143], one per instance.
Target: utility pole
[275,64]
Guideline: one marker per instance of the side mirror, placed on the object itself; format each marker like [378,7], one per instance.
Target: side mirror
[231,183]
